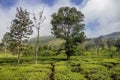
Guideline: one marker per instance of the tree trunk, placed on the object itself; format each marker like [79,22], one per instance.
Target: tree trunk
[68,57]
[18,54]
[68,49]
[36,47]
[96,50]
[36,55]
[5,51]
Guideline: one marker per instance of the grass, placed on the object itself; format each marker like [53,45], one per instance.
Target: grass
[90,67]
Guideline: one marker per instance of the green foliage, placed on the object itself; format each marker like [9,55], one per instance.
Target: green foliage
[1,47]
[24,72]
[77,51]
[62,69]
[67,16]
[89,67]
[117,44]
[67,24]
[20,28]
[6,38]
[87,53]
[28,50]
[69,76]
[61,63]
[45,47]
[95,72]
[9,43]
[115,71]
[46,53]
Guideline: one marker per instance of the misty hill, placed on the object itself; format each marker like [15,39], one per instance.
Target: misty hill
[114,35]
[47,40]
[42,40]
[52,41]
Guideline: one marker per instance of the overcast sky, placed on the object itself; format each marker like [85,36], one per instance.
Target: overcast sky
[101,16]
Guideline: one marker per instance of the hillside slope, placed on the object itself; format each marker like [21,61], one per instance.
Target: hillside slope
[114,35]
[52,41]
[47,40]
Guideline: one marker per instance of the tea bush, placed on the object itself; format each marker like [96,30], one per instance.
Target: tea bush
[91,67]
[95,72]
[62,69]
[115,72]
[24,72]
[69,76]
[47,53]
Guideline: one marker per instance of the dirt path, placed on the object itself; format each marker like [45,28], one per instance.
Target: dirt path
[51,76]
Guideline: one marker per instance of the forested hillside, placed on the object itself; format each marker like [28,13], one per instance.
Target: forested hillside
[50,40]
[114,35]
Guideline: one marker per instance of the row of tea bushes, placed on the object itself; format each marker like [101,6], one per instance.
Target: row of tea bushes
[88,69]
[25,72]
[69,76]
[115,72]
[63,72]
[77,68]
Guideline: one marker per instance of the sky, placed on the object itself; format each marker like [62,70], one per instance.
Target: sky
[101,16]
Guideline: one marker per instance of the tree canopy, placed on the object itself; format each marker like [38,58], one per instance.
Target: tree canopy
[20,28]
[68,24]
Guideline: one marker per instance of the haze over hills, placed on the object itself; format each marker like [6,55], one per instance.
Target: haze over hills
[52,41]
[114,35]
[43,39]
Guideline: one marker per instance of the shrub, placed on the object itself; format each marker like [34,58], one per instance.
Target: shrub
[62,69]
[87,53]
[24,72]
[28,51]
[47,53]
[61,63]
[115,72]
[69,76]
[78,51]
[95,72]
[60,76]
[75,76]
[75,69]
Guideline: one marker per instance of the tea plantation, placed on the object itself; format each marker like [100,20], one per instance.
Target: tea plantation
[91,67]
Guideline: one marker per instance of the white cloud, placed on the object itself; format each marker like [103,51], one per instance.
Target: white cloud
[106,12]
[5,19]
[32,5]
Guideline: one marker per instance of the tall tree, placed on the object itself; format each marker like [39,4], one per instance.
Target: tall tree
[38,20]
[68,24]
[20,29]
